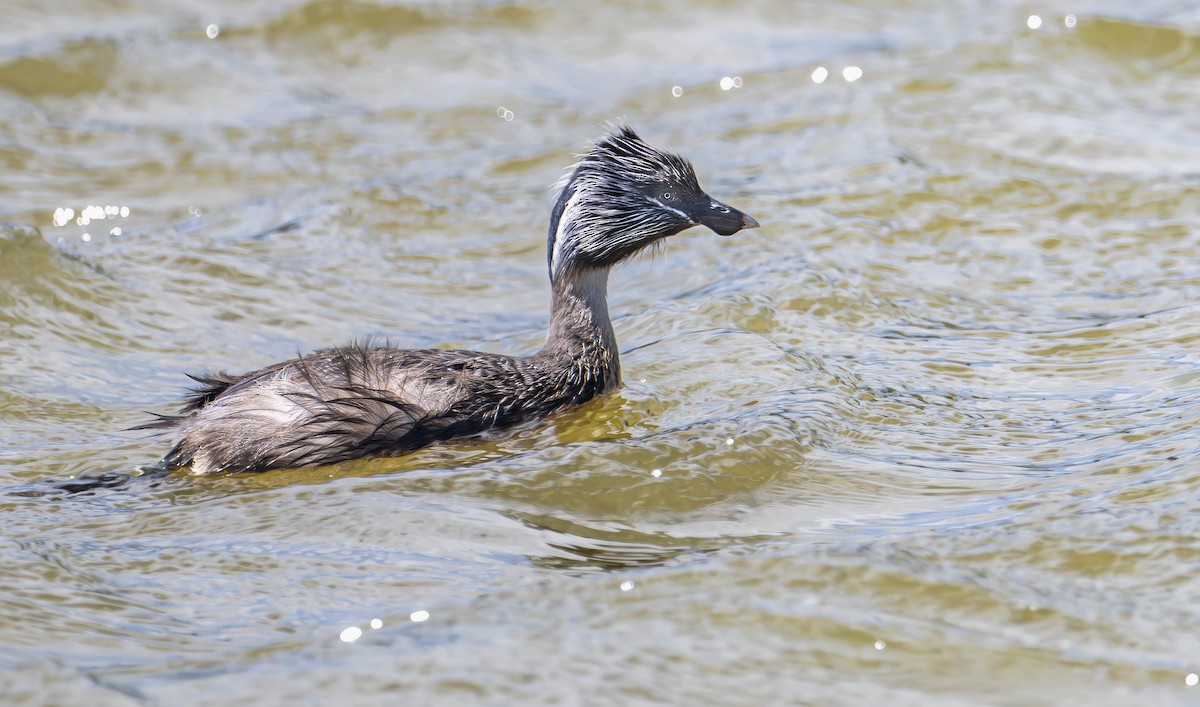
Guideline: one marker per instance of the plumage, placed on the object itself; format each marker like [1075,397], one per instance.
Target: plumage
[365,399]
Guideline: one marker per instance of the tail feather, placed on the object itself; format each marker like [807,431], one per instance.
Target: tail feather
[212,385]
[160,422]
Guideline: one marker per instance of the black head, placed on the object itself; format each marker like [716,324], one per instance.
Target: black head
[624,195]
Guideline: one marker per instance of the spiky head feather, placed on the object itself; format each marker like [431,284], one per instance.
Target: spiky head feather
[622,196]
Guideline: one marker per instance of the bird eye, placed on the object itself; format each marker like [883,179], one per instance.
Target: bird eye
[667,196]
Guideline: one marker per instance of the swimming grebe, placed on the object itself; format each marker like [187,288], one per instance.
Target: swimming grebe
[362,400]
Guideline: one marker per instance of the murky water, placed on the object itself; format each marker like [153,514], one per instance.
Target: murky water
[928,437]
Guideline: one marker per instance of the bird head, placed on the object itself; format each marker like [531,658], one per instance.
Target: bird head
[625,195]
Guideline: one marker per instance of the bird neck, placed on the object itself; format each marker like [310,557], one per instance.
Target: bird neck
[580,329]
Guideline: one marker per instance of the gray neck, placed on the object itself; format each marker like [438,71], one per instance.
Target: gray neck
[580,330]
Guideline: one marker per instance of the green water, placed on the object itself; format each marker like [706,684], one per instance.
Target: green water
[928,437]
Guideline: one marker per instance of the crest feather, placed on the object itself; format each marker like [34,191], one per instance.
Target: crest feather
[602,212]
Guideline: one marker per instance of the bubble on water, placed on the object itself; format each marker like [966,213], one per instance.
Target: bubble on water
[1033,22]
[819,74]
[124,211]
[82,221]
[86,237]
[726,83]
[115,232]
[852,73]
[505,113]
[1069,20]
[677,91]
[737,81]
[1191,680]
[656,473]
[111,211]
[729,442]
[880,645]
[350,634]
[626,586]
[376,624]
[212,31]
[418,616]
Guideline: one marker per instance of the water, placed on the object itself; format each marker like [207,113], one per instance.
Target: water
[927,437]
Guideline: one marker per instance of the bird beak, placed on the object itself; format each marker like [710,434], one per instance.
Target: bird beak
[722,219]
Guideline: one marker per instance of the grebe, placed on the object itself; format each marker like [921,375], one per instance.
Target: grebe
[361,400]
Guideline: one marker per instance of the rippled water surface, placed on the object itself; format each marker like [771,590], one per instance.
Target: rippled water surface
[928,437]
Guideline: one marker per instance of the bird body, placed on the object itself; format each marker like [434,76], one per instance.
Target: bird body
[361,400]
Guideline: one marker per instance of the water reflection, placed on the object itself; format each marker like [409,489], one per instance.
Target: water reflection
[607,556]
[92,483]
